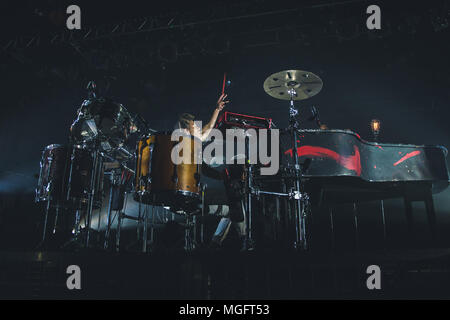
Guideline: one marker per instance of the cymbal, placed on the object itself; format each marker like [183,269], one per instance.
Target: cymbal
[304,83]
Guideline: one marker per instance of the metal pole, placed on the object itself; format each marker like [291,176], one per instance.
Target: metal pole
[49,195]
[384,222]
[56,219]
[144,232]
[202,225]
[152,227]
[249,206]
[108,218]
[69,184]
[44,232]
[91,197]
[119,224]
[300,240]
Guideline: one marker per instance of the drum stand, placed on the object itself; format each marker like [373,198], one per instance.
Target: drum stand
[108,218]
[143,219]
[93,185]
[47,207]
[145,228]
[120,216]
[190,231]
[189,236]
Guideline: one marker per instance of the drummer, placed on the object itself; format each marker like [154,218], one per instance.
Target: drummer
[186,121]
[232,178]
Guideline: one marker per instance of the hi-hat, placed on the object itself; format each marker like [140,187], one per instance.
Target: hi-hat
[304,84]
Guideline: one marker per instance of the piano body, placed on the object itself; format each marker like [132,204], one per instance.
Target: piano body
[349,168]
[341,168]
[344,173]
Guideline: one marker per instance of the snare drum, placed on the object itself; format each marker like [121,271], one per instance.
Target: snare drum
[158,180]
[65,176]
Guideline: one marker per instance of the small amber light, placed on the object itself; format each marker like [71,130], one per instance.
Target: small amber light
[375,126]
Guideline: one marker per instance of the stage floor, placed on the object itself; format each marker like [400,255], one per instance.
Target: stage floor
[224,275]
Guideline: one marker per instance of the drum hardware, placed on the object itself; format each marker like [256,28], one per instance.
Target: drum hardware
[144,230]
[202,225]
[145,242]
[121,215]
[189,240]
[102,123]
[108,218]
[47,207]
[142,220]
[77,227]
[292,195]
[295,85]
[300,232]
[247,206]
[94,177]
[116,202]
[56,219]
[58,185]
[248,209]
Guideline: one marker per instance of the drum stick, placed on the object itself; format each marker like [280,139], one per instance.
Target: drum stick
[223,84]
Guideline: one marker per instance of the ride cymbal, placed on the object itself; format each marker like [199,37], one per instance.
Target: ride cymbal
[305,84]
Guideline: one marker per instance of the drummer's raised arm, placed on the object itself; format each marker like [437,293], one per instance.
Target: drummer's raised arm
[219,106]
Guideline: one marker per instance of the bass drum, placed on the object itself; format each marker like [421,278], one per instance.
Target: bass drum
[158,180]
[65,176]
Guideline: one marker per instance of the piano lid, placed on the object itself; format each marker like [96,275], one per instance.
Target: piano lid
[342,153]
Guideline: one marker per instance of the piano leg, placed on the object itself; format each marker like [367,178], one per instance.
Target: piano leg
[383,219]
[431,215]
[333,240]
[355,223]
[409,217]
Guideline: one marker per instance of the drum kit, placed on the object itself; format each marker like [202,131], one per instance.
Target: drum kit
[72,176]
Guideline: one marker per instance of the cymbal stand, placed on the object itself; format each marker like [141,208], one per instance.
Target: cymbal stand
[247,208]
[300,230]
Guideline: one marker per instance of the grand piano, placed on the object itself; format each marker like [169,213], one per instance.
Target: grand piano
[349,168]
[339,167]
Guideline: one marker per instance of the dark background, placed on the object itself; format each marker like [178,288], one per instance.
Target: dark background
[398,74]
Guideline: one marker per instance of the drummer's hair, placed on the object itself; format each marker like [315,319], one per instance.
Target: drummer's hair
[184,119]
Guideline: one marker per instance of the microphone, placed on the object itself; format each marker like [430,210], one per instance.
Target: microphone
[315,116]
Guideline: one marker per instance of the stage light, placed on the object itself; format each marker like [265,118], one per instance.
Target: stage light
[375,126]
